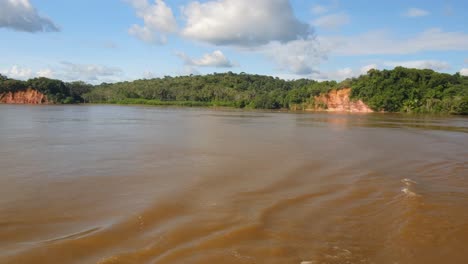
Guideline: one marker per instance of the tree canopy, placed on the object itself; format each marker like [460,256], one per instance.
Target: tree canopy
[412,90]
[56,90]
[237,90]
[397,90]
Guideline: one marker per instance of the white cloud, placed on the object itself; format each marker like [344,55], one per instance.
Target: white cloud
[344,73]
[367,68]
[147,35]
[464,72]
[416,12]
[18,72]
[214,59]
[299,56]
[332,21]
[466,61]
[158,21]
[338,75]
[264,27]
[48,73]
[20,15]
[380,42]
[243,22]
[319,9]
[67,71]
[420,64]
[87,72]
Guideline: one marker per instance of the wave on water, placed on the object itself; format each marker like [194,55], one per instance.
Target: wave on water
[408,188]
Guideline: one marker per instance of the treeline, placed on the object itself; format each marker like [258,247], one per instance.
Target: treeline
[413,91]
[397,90]
[56,90]
[223,89]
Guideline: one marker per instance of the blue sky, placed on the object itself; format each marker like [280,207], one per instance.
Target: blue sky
[115,40]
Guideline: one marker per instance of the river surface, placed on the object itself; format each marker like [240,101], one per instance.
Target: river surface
[124,184]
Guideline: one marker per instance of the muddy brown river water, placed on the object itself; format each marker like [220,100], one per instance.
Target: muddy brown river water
[117,184]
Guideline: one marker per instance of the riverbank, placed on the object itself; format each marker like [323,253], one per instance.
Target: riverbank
[397,90]
[333,101]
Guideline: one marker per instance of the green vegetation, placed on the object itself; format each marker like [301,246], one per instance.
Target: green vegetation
[223,89]
[397,90]
[56,90]
[413,91]
[139,101]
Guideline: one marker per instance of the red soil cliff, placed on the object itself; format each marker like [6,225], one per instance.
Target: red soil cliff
[339,101]
[28,96]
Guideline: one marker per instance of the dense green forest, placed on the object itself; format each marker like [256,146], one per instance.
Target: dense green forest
[397,90]
[412,90]
[56,90]
[223,89]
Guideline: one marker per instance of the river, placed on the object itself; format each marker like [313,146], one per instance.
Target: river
[129,184]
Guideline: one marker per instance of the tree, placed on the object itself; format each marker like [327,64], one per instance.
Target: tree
[411,90]
[397,90]
[76,91]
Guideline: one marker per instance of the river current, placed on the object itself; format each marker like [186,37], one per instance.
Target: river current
[128,184]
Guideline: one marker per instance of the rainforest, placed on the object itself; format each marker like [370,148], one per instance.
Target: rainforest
[397,90]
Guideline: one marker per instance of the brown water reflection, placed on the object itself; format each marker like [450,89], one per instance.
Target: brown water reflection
[108,184]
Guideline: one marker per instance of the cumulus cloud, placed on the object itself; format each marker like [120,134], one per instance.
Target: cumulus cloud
[18,72]
[24,73]
[420,64]
[333,21]
[214,59]
[338,75]
[343,73]
[243,22]
[267,27]
[381,42]
[367,68]
[299,56]
[48,73]
[416,12]
[464,72]
[69,71]
[20,15]
[158,20]
[147,35]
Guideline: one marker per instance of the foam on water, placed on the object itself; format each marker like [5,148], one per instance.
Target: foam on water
[408,182]
[408,188]
[408,192]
